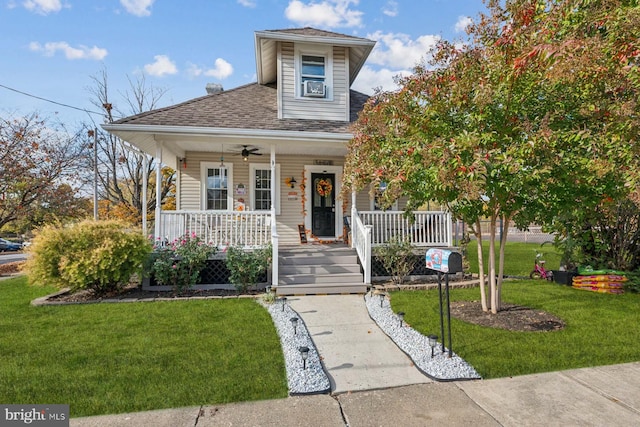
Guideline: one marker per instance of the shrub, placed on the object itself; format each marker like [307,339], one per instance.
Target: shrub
[179,264]
[99,256]
[245,267]
[397,258]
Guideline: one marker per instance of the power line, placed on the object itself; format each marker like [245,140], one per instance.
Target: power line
[48,100]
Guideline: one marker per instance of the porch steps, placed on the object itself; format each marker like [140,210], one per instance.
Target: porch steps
[319,269]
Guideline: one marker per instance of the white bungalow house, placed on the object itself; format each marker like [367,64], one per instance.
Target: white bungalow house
[263,163]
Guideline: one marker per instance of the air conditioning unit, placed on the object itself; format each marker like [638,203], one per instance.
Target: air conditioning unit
[314,89]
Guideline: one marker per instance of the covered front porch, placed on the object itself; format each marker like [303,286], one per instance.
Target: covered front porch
[363,230]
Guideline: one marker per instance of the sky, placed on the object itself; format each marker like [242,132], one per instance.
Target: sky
[53,49]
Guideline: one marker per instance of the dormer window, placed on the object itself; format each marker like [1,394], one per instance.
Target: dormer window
[314,72]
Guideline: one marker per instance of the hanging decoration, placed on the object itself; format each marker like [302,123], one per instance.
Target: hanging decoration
[324,187]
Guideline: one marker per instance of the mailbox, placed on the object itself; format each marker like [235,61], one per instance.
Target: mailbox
[444,261]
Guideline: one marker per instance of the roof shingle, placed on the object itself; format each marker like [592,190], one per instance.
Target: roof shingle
[252,106]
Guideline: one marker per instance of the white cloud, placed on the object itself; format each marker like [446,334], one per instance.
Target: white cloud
[138,7]
[462,23]
[80,52]
[369,79]
[391,8]
[161,67]
[43,7]
[247,3]
[327,13]
[399,50]
[221,70]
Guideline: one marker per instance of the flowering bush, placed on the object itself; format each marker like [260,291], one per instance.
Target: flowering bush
[179,263]
[245,267]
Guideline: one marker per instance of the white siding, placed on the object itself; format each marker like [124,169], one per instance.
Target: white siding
[335,107]
[291,210]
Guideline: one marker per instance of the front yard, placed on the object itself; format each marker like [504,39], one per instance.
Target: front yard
[600,329]
[113,358]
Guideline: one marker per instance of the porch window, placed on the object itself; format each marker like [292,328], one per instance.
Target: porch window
[261,183]
[216,182]
[376,204]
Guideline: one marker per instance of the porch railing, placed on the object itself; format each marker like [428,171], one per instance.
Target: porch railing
[428,228]
[361,242]
[249,229]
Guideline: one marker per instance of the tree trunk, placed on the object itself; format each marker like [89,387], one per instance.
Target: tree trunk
[503,242]
[483,292]
[493,295]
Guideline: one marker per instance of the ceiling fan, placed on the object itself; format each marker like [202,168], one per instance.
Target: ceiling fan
[246,152]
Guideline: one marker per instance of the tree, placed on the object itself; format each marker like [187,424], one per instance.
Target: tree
[121,167]
[39,161]
[492,129]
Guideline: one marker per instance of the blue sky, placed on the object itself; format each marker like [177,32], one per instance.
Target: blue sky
[52,48]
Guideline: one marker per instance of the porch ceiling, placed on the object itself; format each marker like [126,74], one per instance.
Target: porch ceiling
[176,142]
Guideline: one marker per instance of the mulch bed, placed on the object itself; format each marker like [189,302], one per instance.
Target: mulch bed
[511,317]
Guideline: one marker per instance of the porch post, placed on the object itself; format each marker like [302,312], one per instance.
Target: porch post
[354,212]
[274,229]
[158,217]
[145,183]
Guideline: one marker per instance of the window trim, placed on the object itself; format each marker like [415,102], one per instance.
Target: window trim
[204,169]
[253,167]
[324,51]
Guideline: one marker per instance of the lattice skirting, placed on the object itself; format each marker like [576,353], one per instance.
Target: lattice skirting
[215,273]
[419,268]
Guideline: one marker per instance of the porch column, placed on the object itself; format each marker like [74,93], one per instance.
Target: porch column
[158,217]
[354,212]
[274,228]
[145,183]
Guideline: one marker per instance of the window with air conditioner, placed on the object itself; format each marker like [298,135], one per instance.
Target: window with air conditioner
[313,74]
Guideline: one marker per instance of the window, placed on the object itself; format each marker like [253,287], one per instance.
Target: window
[375,202]
[261,184]
[313,68]
[216,183]
[262,192]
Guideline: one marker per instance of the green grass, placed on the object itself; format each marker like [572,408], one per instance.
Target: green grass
[519,257]
[114,358]
[601,329]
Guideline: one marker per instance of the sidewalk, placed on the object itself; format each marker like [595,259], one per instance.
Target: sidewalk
[375,384]
[601,396]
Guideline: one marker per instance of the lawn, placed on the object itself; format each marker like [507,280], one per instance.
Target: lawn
[519,257]
[114,358]
[601,329]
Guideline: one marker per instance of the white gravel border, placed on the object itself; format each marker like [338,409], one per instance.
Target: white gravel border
[313,379]
[441,367]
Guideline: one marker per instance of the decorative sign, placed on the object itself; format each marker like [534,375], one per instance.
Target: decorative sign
[241,190]
[303,233]
[323,162]
[292,195]
[443,260]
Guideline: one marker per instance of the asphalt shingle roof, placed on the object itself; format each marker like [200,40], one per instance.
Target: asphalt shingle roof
[252,106]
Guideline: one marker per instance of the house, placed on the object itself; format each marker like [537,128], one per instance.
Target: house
[263,163]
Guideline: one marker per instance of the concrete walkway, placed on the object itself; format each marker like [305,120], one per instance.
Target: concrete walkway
[601,396]
[357,355]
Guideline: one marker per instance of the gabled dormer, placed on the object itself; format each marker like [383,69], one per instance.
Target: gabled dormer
[312,69]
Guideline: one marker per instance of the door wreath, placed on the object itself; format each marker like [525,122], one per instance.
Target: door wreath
[324,187]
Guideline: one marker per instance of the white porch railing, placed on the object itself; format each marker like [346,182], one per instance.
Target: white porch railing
[361,242]
[428,229]
[249,229]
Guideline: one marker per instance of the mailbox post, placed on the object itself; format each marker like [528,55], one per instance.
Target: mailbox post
[444,262]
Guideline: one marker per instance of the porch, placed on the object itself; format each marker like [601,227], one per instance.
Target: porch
[321,271]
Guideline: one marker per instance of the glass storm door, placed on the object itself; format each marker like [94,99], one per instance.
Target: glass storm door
[323,204]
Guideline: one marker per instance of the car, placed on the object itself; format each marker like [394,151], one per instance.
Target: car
[7,246]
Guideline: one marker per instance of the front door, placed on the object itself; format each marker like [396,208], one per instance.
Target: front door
[323,204]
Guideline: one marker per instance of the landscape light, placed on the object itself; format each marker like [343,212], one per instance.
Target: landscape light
[304,351]
[433,341]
